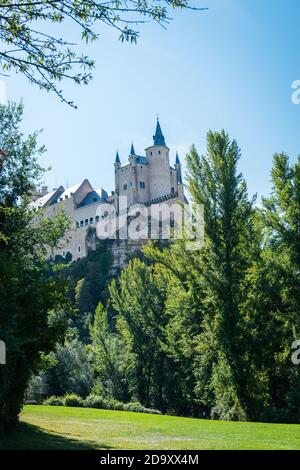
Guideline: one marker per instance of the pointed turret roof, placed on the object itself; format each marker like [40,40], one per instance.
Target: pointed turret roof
[132,151]
[177,159]
[117,160]
[158,138]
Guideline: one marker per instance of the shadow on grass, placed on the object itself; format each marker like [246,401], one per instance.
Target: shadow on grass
[30,437]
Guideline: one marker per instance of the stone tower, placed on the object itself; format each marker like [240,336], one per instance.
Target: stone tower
[159,165]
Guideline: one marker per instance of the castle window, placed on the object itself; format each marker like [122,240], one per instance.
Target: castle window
[172,190]
[125,187]
[142,184]
[79,249]
[97,218]
[81,223]
[159,152]
[150,153]
[86,222]
[91,220]
[77,224]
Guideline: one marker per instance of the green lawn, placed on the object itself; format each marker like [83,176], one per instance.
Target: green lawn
[45,427]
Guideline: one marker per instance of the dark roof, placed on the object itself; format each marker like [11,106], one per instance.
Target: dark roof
[141,160]
[132,151]
[93,197]
[158,138]
[117,158]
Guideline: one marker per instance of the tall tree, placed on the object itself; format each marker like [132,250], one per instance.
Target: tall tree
[231,246]
[281,285]
[139,299]
[31,297]
[109,352]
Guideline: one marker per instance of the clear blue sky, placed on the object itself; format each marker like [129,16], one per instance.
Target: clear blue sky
[229,67]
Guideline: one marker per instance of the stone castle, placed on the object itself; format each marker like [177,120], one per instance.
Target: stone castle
[149,180]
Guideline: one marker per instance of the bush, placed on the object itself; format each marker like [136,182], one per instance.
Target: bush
[136,407]
[98,402]
[115,405]
[276,415]
[73,400]
[95,401]
[54,401]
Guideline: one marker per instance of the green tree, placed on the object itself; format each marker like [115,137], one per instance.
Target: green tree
[109,357]
[31,296]
[138,298]
[276,286]
[71,370]
[31,46]
[231,247]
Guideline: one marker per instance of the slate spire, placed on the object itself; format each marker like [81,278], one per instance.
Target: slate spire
[117,160]
[132,151]
[158,138]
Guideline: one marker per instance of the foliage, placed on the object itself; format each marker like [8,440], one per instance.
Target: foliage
[108,350]
[32,294]
[33,47]
[139,299]
[71,399]
[54,401]
[69,371]
[210,332]
[88,280]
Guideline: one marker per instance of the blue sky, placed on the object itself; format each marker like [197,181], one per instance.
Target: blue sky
[229,67]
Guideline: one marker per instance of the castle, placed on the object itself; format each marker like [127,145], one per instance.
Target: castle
[147,180]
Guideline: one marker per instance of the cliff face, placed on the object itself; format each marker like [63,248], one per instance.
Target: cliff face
[122,250]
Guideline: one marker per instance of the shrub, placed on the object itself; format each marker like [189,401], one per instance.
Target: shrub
[95,401]
[136,407]
[73,400]
[276,415]
[115,405]
[54,401]
[98,402]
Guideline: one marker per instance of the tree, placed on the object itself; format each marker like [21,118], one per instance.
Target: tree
[32,297]
[46,58]
[71,369]
[138,298]
[109,357]
[88,280]
[231,248]
[276,287]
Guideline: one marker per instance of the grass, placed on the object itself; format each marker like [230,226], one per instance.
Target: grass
[46,427]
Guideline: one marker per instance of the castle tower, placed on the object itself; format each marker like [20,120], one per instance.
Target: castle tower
[133,189]
[117,165]
[178,168]
[159,166]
